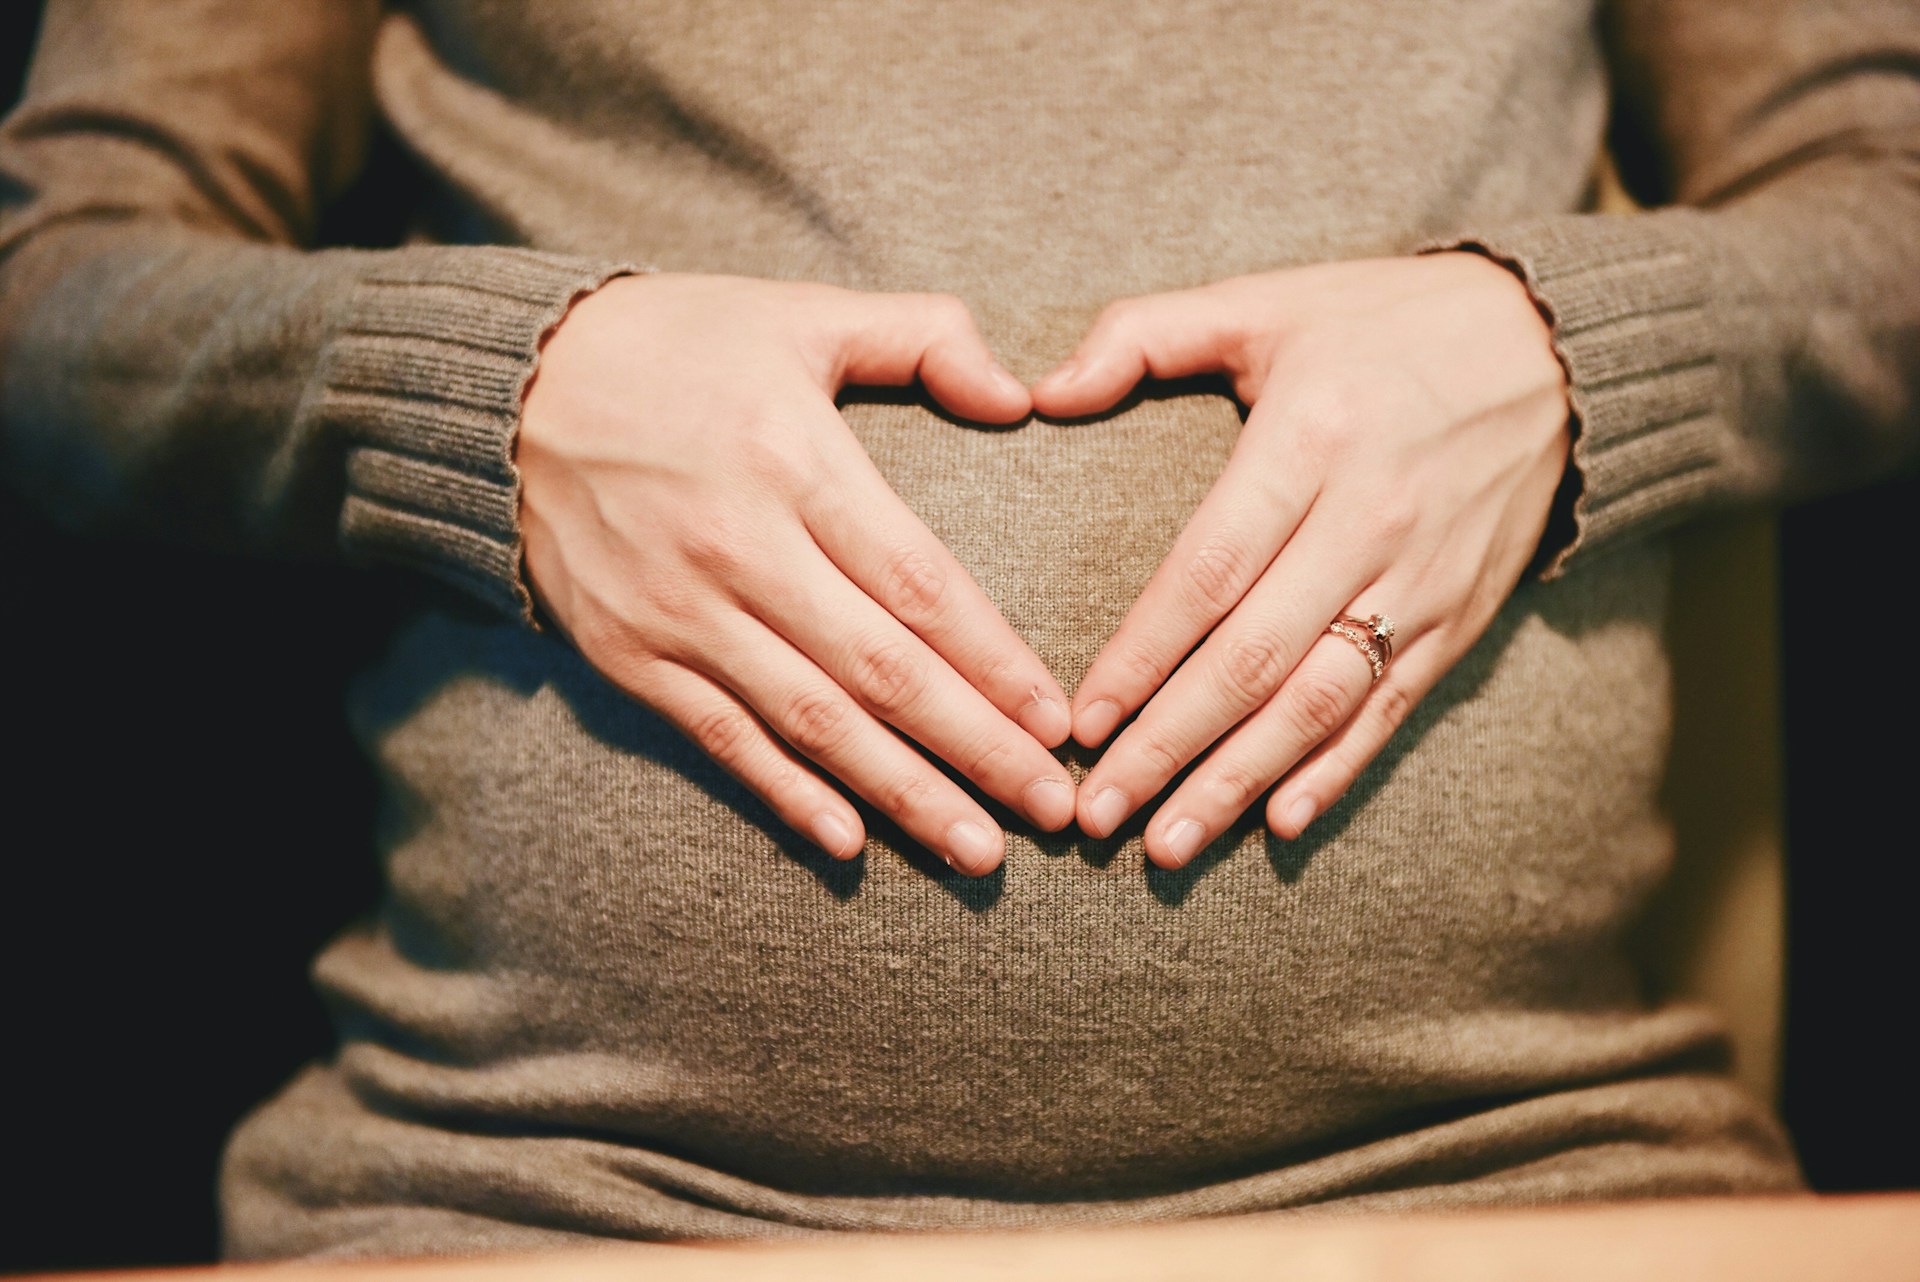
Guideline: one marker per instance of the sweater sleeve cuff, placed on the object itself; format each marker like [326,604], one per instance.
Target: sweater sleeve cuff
[424,379]
[1627,301]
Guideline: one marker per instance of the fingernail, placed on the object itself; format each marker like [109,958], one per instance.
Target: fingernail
[1095,722]
[1299,814]
[1065,372]
[1050,802]
[1008,383]
[973,848]
[1046,720]
[1108,809]
[1183,840]
[832,835]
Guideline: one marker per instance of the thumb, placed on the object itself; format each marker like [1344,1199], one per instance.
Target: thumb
[891,339]
[1192,331]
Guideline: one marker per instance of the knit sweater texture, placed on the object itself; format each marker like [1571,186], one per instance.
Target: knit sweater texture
[607,994]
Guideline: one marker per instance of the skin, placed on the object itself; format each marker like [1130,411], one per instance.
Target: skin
[1407,428]
[716,542]
[701,523]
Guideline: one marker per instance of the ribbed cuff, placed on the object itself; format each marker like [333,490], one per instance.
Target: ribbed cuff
[1627,301]
[425,378]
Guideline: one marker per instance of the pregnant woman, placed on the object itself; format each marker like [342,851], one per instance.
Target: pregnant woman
[733,888]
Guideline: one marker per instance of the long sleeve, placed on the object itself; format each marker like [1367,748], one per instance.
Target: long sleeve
[1757,334]
[174,358]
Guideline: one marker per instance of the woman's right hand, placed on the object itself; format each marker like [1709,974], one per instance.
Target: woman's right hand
[702,524]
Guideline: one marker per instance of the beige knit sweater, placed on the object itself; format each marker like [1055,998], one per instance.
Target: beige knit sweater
[607,994]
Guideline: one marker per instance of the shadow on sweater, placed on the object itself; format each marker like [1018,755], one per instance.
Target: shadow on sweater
[455,640]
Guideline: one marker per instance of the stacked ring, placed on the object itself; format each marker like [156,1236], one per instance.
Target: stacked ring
[1372,636]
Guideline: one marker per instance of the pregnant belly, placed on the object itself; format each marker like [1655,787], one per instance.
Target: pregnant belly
[593,930]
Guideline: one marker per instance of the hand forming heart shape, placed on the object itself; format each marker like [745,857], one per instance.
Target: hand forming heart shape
[741,566]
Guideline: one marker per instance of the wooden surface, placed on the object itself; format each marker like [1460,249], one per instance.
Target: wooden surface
[1857,1239]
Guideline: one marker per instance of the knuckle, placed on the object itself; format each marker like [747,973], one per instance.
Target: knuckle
[905,795]
[1454,635]
[1162,757]
[787,784]
[724,735]
[1326,422]
[1232,784]
[985,759]
[770,452]
[631,654]
[1143,661]
[1251,667]
[997,672]
[611,643]
[816,722]
[912,584]
[889,675]
[1393,516]
[1218,574]
[1392,704]
[1318,704]
[717,547]
[679,598]
[756,439]
[637,672]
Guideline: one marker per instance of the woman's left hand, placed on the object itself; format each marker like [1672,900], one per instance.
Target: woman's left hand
[1407,429]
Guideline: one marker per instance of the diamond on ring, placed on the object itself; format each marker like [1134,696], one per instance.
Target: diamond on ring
[1372,637]
[1382,628]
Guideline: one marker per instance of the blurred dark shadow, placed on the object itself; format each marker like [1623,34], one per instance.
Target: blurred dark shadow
[1852,875]
[188,821]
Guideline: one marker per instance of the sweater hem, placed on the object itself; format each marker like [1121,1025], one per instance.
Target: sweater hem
[1627,306]
[426,378]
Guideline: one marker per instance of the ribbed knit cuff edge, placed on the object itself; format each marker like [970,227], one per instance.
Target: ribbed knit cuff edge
[1626,300]
[425,377]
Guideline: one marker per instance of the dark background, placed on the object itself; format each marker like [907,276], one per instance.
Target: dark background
[185,826]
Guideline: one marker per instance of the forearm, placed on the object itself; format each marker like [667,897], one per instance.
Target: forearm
[1757,336]
[1759,352]
[173,356]
[279,400]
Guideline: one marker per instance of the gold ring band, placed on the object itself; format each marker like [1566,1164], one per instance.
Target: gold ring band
[1371,636]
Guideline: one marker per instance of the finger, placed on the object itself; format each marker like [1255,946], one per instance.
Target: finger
[806,708]
[1228,543]
[876,540]
[1191,331]
[1315,701]
[722,727]
[891,339]
[897,677]
[1234,672]
[1326,773]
